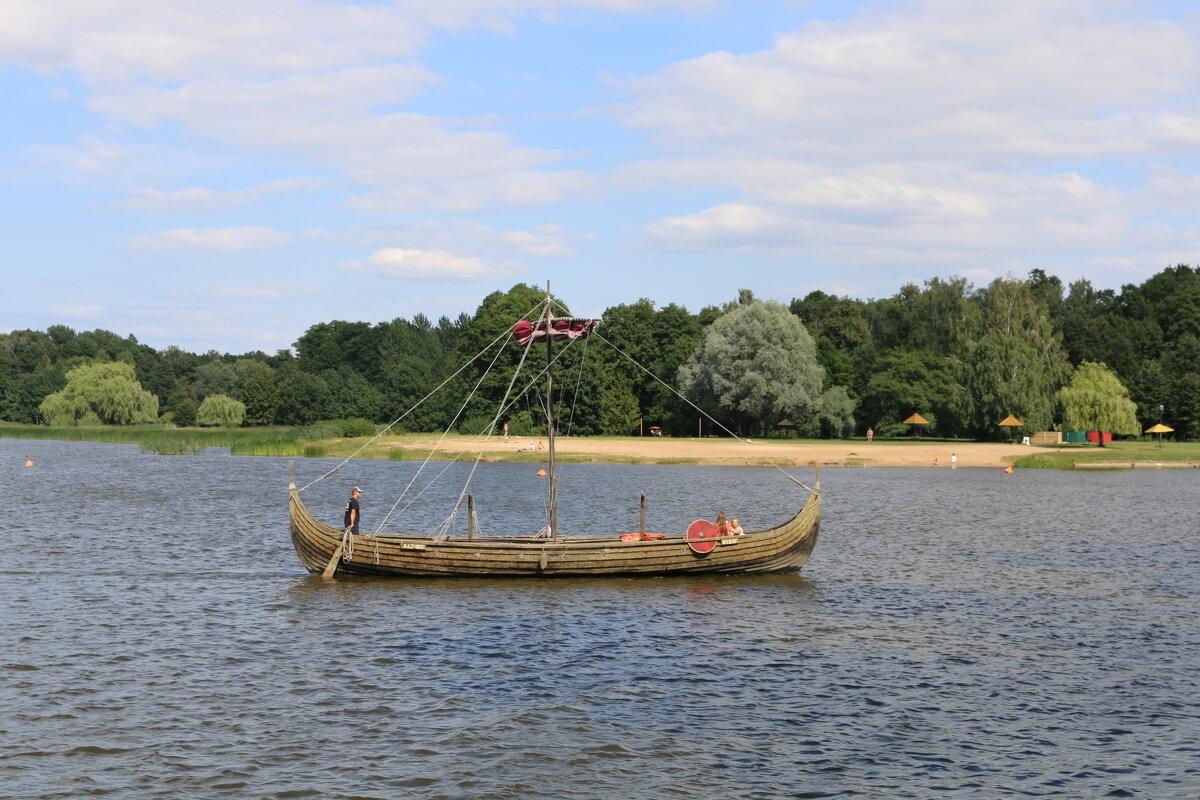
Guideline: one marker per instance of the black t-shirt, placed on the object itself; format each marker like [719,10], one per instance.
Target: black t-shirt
[352,503]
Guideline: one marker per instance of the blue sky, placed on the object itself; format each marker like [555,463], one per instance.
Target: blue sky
[222,175]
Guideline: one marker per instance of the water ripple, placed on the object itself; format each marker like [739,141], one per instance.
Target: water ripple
[954,636]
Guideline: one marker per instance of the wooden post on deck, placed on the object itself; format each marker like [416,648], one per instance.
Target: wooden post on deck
[470,516]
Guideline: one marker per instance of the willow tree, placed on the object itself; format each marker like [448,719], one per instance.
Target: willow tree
[756,365]
[221,410]
[1010,359]
[100,394]
[1096,400]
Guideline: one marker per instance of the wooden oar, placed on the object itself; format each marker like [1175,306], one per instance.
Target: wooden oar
[332,566]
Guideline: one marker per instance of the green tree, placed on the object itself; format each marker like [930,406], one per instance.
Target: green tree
[1095,400]
[331,345]
[677,337]
[1182,366]
[100,394]
[352,395]
[836,415]
[494,318]
[215,377]
[182,404]
[619,408]
[755,365]
[23,393]
[260,396]
[221,411]
[1186,407]
[905,381]
[1011,362]
[303,398]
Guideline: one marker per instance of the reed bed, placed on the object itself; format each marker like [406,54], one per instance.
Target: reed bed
[183,441]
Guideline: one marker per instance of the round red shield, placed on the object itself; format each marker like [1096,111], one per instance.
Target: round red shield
[701,536]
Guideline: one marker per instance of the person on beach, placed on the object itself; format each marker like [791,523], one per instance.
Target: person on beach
[935,461]
[351,519]
[953,461]
[870,434]
[735,528]
[506,431]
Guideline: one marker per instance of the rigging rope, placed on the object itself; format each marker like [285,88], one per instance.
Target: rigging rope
[452,461]
[504,402]
[578,383]
[710,418]
[445,433]
[396,421]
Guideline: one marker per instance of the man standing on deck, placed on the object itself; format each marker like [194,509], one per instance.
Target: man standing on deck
[351,520]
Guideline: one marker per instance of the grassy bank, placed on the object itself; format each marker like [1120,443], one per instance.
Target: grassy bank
[1068,455]
[176,441]
[325,440]
[302,442]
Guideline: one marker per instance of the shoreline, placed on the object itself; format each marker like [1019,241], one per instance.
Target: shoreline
[284,442]
[717,452]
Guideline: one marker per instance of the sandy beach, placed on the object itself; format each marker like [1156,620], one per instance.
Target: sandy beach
[733,452]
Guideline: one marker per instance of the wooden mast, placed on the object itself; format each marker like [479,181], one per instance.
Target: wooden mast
[550,414]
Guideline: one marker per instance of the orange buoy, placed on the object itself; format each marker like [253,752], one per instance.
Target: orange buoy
[541,472]
[1008,470]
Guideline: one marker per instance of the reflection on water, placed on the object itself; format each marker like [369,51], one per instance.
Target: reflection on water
[957,634]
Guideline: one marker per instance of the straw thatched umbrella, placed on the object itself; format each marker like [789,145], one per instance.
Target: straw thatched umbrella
[1160,429]
[1011,422]
[915,419]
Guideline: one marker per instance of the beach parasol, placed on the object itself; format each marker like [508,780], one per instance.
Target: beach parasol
[1011,422]
[1160,429]
[915,419]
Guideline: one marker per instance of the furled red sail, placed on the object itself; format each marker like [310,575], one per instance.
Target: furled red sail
[561,328]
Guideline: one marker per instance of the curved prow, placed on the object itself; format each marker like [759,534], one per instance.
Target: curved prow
[315,542]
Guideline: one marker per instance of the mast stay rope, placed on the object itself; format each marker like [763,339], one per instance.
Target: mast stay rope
[708,416]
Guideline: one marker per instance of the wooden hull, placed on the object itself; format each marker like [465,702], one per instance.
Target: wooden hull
[785,548]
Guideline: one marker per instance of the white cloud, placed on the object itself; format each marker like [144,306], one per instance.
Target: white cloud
[315,79]
[250,237]
[121,41]
[263,290]
[77,312]
[396,262]
[412,162]
[926,138]
[463,235]
[197,199]
[1026,79]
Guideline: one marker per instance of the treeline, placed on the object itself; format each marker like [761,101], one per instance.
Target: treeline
[963,356]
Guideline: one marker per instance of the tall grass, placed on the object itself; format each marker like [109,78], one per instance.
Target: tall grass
[177,441]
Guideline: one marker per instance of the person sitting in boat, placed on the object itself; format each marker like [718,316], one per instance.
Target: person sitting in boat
[351,519]
[735,528]
[722,525]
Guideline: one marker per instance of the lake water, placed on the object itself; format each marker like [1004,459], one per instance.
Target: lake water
[957,634]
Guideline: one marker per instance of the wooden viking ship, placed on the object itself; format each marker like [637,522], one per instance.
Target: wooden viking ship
[703,548]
